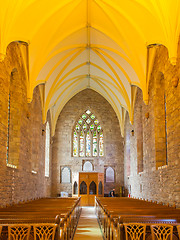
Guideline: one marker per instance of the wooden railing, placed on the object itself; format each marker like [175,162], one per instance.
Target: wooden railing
[115,213]
[62,212]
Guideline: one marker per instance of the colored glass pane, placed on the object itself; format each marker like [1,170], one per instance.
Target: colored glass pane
[81,147]
[94,144]
[84,127]
[93,116]
[99,128]
[88,112]
[83,116]
[101,145]
[96,121]
[88,121]
[77,127]
[75,145]
[92,127]
[88,145]
[80,121]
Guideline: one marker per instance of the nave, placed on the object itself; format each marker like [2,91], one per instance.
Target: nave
[88,227]
[111,219]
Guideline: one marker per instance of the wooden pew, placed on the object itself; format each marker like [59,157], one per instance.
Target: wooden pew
[64,212]
[113,213]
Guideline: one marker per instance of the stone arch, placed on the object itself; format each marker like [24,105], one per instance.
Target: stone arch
[65,175]
[88,166]
[110,174]
[138,129]
[92,188]
[87,136]
[75,188]
[100,188]
[83,188]
[160,121]
[14,119]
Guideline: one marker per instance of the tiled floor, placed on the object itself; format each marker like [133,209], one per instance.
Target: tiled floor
[88,227]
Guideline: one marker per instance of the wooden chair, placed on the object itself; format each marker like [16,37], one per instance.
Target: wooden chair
[135,231]
[162,232]
[44,231]
[19,231]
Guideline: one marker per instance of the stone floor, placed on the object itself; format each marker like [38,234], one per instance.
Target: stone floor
[88,227]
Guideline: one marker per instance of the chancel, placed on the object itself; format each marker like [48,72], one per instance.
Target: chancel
[89,102]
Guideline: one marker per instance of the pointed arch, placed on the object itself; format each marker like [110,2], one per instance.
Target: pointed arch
[92,188]
[83,188]
[88,139]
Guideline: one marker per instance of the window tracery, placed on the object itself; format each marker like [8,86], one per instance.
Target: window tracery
[88,139]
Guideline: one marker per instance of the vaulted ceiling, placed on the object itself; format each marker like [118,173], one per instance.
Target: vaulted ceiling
[105,45]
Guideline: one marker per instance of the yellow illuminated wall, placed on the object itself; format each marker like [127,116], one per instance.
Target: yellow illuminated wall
[106,45]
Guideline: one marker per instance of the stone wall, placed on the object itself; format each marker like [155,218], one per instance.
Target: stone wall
[62,142]
[159,179]
[26,141]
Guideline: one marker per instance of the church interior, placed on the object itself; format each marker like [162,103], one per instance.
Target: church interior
[90,87]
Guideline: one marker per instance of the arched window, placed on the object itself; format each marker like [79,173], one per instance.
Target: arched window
[47,147]
[14,123]
[88,167]
[160,123]
[92,188]
[8,130]
[100,188]
[139,131]
[128,154]
[83,188]
[88,139]
[110,174]
[75,188]
[65,175]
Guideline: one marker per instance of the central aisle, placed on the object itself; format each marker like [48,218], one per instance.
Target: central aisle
[88,227]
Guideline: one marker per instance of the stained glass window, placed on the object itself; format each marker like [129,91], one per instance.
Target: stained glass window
[83,116]
[99,128]
[88,121]
[77,127]
[94,144]
[80,121]
[96,121]
[92,127]
[88,138]
[75,145]
[93,116]
[88,145]
[88,112]
[84,126]
[101,145]
[81,149]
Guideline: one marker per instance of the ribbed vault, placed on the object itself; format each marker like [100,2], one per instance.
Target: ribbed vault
[97,44]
